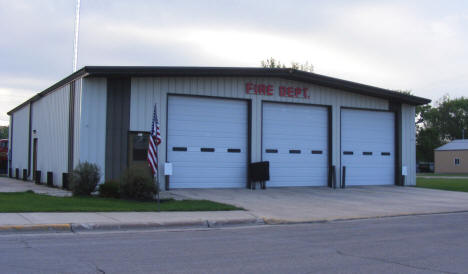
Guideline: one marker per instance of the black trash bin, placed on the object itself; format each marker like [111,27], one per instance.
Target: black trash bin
[259,172]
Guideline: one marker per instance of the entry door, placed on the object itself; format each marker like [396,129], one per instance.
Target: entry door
[368,147]
[34,167]
[207,142]
[295,142]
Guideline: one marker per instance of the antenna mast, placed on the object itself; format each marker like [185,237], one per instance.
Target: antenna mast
[77,25]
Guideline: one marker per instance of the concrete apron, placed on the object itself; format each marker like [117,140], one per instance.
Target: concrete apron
[312,204]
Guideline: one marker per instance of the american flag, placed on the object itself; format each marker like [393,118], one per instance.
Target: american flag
[154,141]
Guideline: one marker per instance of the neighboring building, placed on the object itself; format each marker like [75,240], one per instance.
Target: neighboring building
[452,157]
[214,121]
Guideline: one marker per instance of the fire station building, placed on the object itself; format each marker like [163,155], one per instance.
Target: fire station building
[214,121]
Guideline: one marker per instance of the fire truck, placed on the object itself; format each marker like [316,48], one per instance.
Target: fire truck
[3,155]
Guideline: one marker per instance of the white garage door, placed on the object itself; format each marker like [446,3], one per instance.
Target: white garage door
[368,147]
[295,141]
[207,142]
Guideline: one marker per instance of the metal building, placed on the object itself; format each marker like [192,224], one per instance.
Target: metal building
[214,122]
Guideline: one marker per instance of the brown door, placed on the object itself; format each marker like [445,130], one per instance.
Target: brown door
[34,157]
[138,148]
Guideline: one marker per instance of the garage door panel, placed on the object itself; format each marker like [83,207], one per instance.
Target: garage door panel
[364,132]
[207,142]
[290,134]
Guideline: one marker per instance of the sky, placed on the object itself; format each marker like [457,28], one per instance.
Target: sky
[400,45]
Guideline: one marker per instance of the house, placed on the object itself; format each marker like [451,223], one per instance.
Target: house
[214,121]
[452,157]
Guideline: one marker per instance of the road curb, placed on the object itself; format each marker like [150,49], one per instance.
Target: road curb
[88,227]
[36,228]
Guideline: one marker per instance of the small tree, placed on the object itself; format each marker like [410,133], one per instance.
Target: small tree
[273,63]
[84,179]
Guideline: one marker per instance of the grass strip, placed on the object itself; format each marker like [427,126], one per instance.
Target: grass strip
[31,202]
[443,184]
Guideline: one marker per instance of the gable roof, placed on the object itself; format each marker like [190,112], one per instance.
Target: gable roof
[461,144]
[286,73]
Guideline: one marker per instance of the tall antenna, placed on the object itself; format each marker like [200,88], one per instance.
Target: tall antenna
[77,25]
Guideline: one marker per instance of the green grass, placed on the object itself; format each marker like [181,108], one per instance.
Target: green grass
[30,202]
[442,174]
[444,184]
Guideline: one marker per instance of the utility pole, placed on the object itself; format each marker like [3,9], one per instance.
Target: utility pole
[77,25]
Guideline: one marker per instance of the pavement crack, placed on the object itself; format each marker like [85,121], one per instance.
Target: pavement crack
[25,243]
[339,252]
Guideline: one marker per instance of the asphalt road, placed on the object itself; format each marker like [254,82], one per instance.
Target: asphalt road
[415,244]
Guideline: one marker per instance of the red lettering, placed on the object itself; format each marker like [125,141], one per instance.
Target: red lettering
[269,90]
[282,91]
[290,92]
[298,91]
[261,89]
[304,91]
[248,88]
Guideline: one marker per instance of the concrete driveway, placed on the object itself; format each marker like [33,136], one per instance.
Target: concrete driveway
[308,204]
[13,185]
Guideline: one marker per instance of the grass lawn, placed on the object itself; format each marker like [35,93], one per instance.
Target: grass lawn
[30,202]
[445,184]
[442,174]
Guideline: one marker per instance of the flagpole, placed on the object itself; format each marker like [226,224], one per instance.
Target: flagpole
[77,25]
[157,181]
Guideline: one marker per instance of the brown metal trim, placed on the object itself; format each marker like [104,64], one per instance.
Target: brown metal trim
[71,126]
[330,145]
[29,138]
[395,107]
[117,126]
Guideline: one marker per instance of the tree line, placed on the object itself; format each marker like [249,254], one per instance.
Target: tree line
[439,124]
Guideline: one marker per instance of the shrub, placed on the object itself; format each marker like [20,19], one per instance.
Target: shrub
[137,183]
[110,189]
[84,179]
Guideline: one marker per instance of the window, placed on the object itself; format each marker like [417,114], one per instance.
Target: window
[138,146]
[457,161]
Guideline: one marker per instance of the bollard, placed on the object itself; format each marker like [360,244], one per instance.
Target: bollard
[37,177]
[50,178]
[25,174]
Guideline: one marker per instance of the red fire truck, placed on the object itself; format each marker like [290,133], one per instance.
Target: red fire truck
[3,155]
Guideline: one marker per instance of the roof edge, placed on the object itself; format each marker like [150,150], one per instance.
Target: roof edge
[78,74]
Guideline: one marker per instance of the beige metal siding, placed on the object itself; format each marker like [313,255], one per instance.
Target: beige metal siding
[147,91]
[444,161]
[408,142]
[20,139]
[92,142]
[50,118]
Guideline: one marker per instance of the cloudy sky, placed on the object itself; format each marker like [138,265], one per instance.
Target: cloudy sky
[408,45]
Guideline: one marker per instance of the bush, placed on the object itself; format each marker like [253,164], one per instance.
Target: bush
[84,179]
[110,189]
[137,183]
